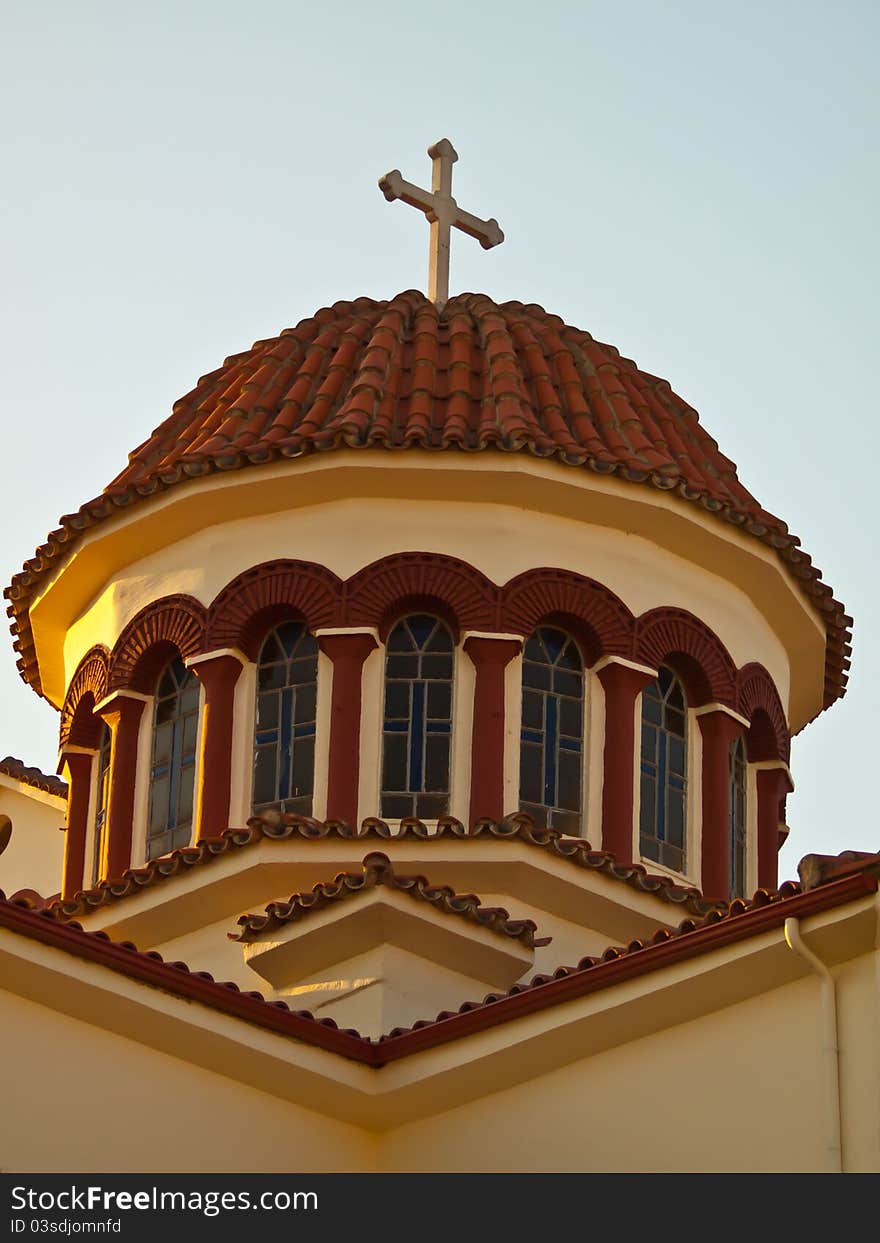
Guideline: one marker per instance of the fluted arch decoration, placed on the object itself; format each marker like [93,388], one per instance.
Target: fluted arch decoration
[758,701]
[88,686]
[378,594]
[243,613]
[598,619]
[463,596]
[143,648]
[676,638]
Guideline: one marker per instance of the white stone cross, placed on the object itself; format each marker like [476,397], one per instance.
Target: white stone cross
[443,212]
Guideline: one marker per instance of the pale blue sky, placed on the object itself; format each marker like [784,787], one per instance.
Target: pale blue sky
[695,182]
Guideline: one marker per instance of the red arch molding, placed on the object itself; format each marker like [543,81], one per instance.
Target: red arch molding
[88,686]
[376,595]
[381,592]
[172,624]
[247,608]
[758,701]
[596,616]
[674,637]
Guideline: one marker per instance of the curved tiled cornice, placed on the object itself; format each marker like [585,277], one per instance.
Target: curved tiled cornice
[474,377]
[275,826]
[766,911]
[378,871]
[18,771]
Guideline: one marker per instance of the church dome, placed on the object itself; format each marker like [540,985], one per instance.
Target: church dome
[474,376]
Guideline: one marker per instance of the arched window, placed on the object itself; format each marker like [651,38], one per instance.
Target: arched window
[662,818]
[284,736]
[738,771]
[172,772]
[102,794]
[417,725]
[552,730]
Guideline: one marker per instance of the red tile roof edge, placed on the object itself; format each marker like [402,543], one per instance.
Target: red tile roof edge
[764,913]
[19,771]
[378,871]
[815,870]
[277,827]
[198,438]
[176,977]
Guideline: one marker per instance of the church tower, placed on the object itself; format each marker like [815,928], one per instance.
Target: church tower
[426,645]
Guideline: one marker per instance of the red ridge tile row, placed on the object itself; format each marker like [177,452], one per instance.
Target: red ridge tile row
[765,911]
[378,870]
[275,826]
[19,771]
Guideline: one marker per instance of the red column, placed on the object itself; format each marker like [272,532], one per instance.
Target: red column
[491,656]
[122,712]
[348,651]
[772,783]
[718,729]
[79,766]
[218,673]
[622,685]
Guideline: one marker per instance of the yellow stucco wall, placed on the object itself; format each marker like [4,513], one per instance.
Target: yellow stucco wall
[736,1088]
[34,856]
[500,540]
[87,1100]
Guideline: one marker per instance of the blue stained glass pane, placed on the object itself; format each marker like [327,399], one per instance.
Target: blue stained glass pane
[417,718]
[551,729]
[554,641]
[436,666]
[440,640]
[285,724]
[306,702]
[417,736]
[662,814]
[421,628]
[550,749]
[406,666]
[440,701]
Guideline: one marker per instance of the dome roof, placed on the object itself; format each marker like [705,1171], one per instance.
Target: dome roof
[475,376]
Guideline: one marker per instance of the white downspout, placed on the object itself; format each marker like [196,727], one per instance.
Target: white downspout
[830,1048]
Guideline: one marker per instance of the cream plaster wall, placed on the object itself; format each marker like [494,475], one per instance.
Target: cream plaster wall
[738,1088]
[35,855]
[735,1090]
[122,1106]
[500,540]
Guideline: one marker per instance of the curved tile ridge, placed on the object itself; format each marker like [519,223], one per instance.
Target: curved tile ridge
[19,771]
[20,914]
[764,912]
[379,871]
[475,376]
[762,899]
[276,826]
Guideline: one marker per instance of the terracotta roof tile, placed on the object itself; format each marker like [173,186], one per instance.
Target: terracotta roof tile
[815,870]
[693,937]
[273,826]
[765,911]
[379,871]
[20,914]
[17,769]
[473,377]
